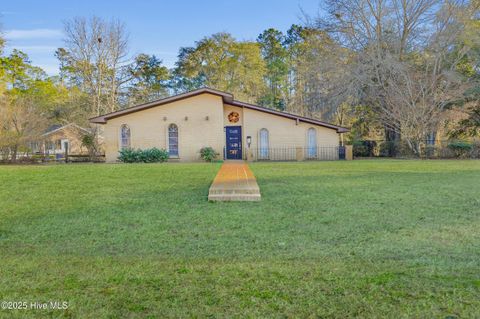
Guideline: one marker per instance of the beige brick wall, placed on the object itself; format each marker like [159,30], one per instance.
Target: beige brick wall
[149,128]
[227,109]
[284,131]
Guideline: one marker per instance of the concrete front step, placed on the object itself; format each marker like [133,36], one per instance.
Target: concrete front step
[234,197]
[221,191]
[234,182]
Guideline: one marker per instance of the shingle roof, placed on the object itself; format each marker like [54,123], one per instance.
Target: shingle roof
[227,98]
[58,127]
[52,128]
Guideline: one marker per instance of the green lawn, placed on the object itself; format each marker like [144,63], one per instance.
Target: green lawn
[379,238]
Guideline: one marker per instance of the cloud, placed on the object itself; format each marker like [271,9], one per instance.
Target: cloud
[50,69]
[35,48]
[165,53]
[33,34]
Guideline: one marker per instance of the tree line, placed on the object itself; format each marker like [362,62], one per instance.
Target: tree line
[387,69]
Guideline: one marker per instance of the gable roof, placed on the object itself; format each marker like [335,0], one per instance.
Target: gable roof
[52,128]
[227,98]
[58,127]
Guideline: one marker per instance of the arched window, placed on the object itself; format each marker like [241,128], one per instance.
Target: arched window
[264,151]
[124,136]
[312,143]
[173,140]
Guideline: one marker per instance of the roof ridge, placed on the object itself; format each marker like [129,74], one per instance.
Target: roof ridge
[164,100]
[226,97]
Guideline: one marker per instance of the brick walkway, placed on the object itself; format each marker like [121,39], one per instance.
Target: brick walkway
[234,182]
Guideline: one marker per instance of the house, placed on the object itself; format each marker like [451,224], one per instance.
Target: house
[183,124]
[58,138]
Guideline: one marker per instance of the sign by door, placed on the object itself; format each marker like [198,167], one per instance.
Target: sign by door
[234,142]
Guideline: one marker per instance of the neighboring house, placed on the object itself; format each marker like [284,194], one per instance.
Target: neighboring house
[58,138]
[185,123]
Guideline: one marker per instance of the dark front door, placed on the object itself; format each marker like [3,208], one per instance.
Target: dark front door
[234,142]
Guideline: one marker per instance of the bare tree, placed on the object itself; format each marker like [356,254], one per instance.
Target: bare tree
[405,57]
[20,124]
[95,53]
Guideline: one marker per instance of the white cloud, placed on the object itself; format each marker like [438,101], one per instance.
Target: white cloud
[33,34]
[35,48]
[51,69]
[165,53]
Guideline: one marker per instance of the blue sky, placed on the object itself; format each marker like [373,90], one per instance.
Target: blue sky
[155,27]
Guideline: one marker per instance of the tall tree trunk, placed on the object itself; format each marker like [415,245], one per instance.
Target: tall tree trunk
[13,154]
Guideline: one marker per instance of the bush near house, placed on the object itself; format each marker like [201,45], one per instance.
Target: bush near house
[460,148]
[446,149]
[128,155]
[153,155]
[364,148]
[150,155]
[90,142]
[208,154]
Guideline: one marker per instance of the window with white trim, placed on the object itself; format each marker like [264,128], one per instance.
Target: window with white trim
[124,136]
[173,140]
[263,147]
[311,143]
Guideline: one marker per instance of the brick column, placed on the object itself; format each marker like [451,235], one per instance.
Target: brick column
[299,154]
[348,152]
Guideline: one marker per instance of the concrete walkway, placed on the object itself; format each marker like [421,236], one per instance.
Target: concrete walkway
[234,182]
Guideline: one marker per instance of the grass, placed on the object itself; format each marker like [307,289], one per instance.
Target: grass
[329,239]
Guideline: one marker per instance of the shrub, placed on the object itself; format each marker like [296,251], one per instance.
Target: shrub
[90,142]
[460,148]
[129,155]
[475,152]
[43,157]
[387,148]
[208,154]
[364,148]
[429,151]
[150,155]
[153,155]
